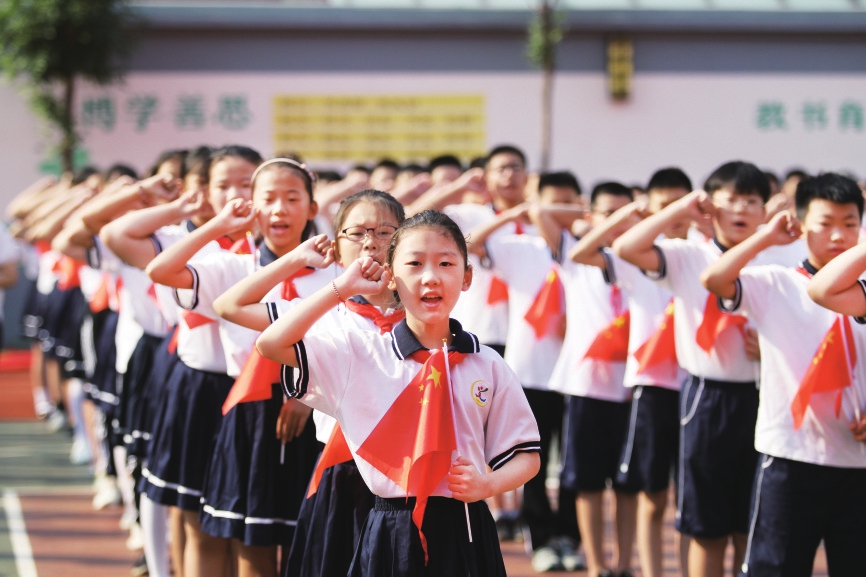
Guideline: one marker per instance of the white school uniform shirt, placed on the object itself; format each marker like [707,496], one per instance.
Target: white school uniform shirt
[199,348]
[681,263]
[523,262]
[47,278]
[489,322]
[355,376]
[336,319]
[136,312]
[215,273]
[647,302]
[8,253]
[588,310]
[791,328]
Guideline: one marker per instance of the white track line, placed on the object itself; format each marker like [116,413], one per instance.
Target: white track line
[18,533]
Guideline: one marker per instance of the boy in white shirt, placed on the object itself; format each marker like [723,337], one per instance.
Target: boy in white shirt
[720,400]
[813,469]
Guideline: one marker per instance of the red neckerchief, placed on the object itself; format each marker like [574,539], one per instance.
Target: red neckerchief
[381,320]
[289,290]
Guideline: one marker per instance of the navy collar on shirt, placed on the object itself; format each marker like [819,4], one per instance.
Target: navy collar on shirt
[808,267]
[190,226]
[722,248]
[266,255]
[405,342]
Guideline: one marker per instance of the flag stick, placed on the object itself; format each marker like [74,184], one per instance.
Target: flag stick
[454,424]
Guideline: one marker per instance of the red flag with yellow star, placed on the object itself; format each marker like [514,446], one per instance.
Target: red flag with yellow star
[336,451]
[611,344]
[413,443]
[498,291]
[714,323]
[545,314]
[830,369]
[660,347]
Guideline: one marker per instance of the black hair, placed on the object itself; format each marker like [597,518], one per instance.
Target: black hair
[387,163]
[413,169]
[236,151]
[178,155]
[290,163]
[743,177]
[830,186]
[328,176]
[117,170]
[289,154]
[430,219]
[506,149]
[796,172]
[771,176]
[83,174]
[198,162]
[671,177]
[478,162]
[444,160]
[562,178]
[612,188]
[361,168]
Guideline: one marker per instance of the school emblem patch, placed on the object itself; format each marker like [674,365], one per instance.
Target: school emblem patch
[480,393]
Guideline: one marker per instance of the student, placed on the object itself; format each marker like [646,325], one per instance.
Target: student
[383,174]
[331,519]
[596,413]
[253,485]
[652,373]
[813,466]
[360,378]
[524,262]
[720,399]
[8,269]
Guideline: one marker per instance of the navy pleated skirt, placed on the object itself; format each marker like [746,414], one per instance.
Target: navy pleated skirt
[390,545]
[330,524]
[136,383]
[254,488]
[188,416]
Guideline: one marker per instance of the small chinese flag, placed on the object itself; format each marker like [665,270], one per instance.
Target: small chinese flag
[336,451]
[100,300]
[225,242]
[413,443]
[254,382]
[660,347]
[498,291]
[611,344]
[67,272]
[830,369]
[243,246]
[545,314]
[714,323]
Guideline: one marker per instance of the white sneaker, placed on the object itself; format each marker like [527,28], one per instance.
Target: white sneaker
[568,554]
[80,453]
[56,420]
[127,520]
[107,493]
[135,541]
[546,559]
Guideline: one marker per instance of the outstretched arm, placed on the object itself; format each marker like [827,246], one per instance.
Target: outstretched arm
[364,276]
[169,267]
[479,235]
[242,305]
[588,249]
[836,287]
[720,277]
[124,195]
[637,245]
[552,219]
[441,196]
[129,237]
[468,484]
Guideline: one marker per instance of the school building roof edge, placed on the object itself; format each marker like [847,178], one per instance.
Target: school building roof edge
[293,17]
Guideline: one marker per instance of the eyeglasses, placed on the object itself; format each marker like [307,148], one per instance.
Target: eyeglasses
[359,233]
[514,167]
[748,204]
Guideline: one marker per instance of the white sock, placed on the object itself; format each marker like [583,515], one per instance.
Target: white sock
[154,526]
[124,478]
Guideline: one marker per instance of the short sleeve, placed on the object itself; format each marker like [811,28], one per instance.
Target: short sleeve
[213,274]
[675,259]
[325,361]
[757,287]
[511,427]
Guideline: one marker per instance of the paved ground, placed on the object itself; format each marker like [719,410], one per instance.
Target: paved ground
[46,508]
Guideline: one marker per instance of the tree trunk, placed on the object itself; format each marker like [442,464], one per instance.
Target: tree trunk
[67,148]
[548,66]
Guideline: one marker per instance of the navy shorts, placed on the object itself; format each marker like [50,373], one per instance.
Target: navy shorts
[796,506]
[717,457]
[652,443]
[594,438]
